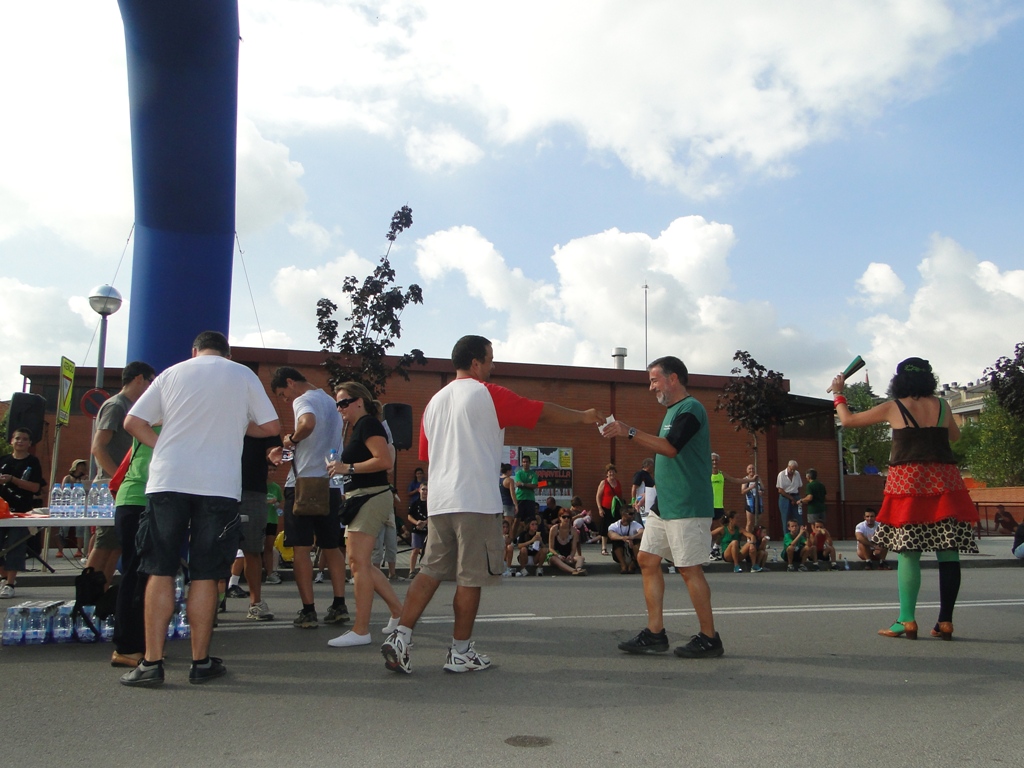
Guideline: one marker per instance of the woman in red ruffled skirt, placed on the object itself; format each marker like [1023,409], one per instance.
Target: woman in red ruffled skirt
[926,507]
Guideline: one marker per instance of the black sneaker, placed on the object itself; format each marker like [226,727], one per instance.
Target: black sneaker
[236,591]
[337,615]
[199,675]
[701,647]
[144,676]
[791,568]
[646,642]
[306,620]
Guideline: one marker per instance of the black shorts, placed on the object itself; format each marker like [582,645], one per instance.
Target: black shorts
[211,525]
[526,510]
[303,531]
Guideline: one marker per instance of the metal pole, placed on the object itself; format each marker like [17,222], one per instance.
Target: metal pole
[102,353]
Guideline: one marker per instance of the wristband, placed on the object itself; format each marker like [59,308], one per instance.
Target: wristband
[838,400]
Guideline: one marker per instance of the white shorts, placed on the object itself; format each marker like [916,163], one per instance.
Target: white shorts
[683,543]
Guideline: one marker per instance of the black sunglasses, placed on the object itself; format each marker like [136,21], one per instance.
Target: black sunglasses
[346,402]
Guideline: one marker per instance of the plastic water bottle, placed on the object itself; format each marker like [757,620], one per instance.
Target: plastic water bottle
[171,627]
[106,629]
[181,626]
[78,500]
[35,627]
[66,504]
[14,627]
[179,588]
[107,501]
[336,480]
[57,501]
[82,631]
[93,508]
[63,627]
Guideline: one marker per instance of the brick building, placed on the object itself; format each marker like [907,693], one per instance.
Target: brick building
[809,435]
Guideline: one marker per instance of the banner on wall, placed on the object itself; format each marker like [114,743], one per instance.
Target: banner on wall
[553,467]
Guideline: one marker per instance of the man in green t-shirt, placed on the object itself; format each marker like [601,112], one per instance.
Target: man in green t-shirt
[526,502]
[679,528]
[815,498]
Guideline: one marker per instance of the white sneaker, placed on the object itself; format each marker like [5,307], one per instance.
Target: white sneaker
[508,572]
[319,578]
[6,591]
[470,661]
[671,569]
[273,577]
[521,572]
[259,612]
[349,639]
[540,571]
[396,654]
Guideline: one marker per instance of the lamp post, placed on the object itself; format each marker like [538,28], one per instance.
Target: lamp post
[105,300]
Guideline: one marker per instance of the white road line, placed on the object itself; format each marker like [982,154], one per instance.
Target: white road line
[735,611]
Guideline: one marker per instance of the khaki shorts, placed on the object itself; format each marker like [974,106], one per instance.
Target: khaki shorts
[374,514]
[683,543]
[465,547]
[106,538]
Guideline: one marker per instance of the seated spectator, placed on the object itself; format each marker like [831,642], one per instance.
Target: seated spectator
[794,547]
[549,515]
[418,523]
[531,548]
[732,540]
[582,520]
[564,546]
[624,536]
[869,551]
[1018,542]
[756,550]
[824,549]
[1005,522]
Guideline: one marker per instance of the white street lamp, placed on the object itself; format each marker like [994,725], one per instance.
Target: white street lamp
[105,300]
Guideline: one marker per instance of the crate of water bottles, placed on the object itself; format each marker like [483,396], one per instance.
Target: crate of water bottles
[72,500]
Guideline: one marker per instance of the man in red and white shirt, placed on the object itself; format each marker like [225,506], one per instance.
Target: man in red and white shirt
[461,435]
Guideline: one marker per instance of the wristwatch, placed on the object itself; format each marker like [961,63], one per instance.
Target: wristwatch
[351,469]
[631,434]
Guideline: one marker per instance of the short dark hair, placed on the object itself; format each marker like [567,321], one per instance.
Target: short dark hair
[467,349]
[914,378]
[812,473]
[25,430]
[279,379]
[135,369]
[670,364]
[506,467]
[214,340]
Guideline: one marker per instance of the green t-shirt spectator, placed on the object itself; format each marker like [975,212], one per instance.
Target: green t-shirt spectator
[525,476]
[816,506]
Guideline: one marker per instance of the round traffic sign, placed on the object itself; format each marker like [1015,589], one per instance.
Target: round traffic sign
[92,400]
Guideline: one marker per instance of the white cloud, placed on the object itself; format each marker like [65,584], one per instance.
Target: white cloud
[773,78]
[443,149]
[879,285]
[963,317]
[297,290]
[268,187]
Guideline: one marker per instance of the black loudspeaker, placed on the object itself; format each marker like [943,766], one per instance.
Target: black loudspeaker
[27,412]
[399,418]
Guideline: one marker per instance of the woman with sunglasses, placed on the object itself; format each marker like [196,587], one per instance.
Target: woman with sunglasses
[564,546]
[365,462]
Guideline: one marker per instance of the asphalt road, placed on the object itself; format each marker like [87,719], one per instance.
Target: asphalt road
[805,680]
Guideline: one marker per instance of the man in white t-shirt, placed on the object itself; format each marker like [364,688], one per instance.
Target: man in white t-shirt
[461,435]
[788,485]
[871,552]
[318,431]
[625,535]
[207,405]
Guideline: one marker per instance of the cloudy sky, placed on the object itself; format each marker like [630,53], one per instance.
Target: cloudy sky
[804,180]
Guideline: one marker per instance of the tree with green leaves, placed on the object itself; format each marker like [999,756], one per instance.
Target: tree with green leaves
[755,400]
[995,446]
[5,447]
[1007,378]
[374,321]
[873,442]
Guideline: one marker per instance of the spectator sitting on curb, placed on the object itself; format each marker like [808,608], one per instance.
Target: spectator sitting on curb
[733,540]
[625,535]
[871,552]
[529,544]
[564,546]
[757,550]
[824,549]
[794,547]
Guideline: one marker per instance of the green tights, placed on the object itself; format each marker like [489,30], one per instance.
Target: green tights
[908,577]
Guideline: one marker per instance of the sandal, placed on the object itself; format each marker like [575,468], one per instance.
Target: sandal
[604,552]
